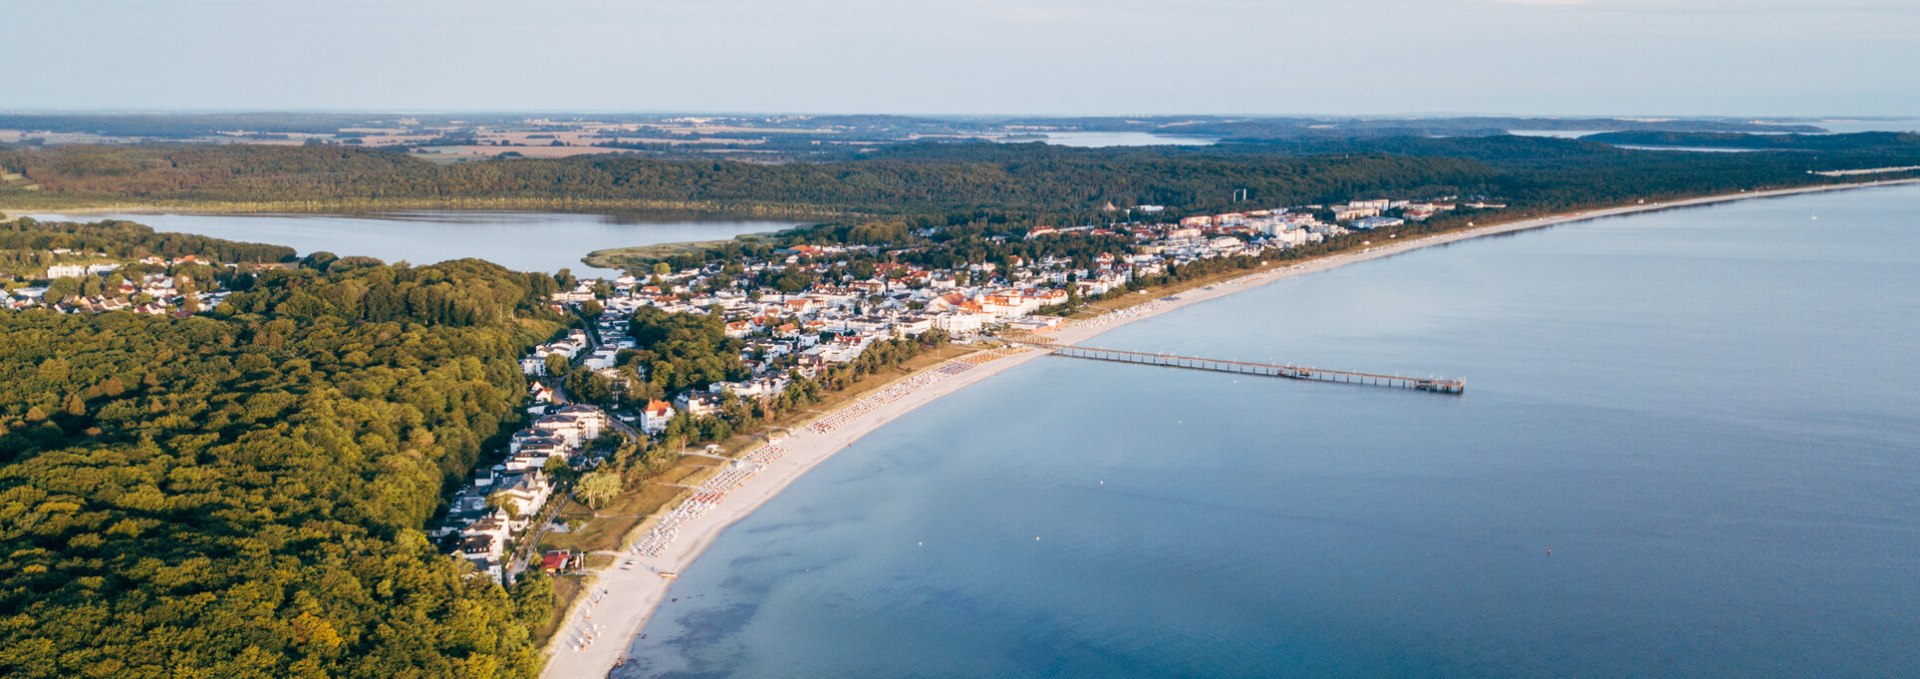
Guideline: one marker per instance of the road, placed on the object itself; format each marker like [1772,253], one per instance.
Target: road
[529,545]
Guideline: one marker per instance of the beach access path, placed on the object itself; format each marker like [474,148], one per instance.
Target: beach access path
[611,620]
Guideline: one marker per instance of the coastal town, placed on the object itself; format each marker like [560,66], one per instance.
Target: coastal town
[890,300]
[856,295]
[1015,338]
[92,283]
[600,389]
[787,336]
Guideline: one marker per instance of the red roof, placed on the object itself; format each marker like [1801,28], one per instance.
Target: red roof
[554,561]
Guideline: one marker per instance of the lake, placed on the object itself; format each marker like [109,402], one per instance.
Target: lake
[1687,448]
[1850,125]
[524,241]
[1687,149]
[1107,139]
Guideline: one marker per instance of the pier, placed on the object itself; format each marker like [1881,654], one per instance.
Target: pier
[1294,372]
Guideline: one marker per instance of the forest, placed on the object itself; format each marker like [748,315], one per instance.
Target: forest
[241,493]
[1030,179]
[943,182]
[27,246]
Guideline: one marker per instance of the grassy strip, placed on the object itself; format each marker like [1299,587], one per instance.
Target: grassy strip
[624,258]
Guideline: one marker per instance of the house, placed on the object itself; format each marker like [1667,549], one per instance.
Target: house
[912,326]
[1371,223]
[526,494]
[601,358]
[754,388]
[698,403]
[535,457]
[479,547]
[77,270]
[1348,213]
[576,423]
[566,429]
[1009,303]
[1290,237]
[958,323]
[484,539]
[654,418]
[533,437]
[1050,297]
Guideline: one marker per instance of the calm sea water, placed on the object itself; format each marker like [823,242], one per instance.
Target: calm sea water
[524,241]
[1709,416]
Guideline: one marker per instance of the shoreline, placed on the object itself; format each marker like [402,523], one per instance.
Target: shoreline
[635,594]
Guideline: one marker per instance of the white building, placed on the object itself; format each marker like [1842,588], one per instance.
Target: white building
[654,418]
[1371,223]
[957,323]
[78,270]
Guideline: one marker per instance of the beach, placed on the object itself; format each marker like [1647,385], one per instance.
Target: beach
[619,602]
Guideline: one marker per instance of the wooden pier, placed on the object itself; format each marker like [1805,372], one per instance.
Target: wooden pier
[1295,372]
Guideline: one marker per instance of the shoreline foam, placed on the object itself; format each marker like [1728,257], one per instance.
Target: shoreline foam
[635,594]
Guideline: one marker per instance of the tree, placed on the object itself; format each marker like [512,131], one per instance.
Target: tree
[188,299]
[314,403]
[597,488]
[557,469]
[62,289]
[499,502]
[533,597]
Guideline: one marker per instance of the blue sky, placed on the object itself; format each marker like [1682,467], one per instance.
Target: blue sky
[1653,57]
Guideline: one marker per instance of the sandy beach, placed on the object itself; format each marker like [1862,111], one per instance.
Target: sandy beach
[615,607]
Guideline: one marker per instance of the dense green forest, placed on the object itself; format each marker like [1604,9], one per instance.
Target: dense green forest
[26,245]
[127,240]
[1533,175]
[1022,182]
[1035,179]
[241,493]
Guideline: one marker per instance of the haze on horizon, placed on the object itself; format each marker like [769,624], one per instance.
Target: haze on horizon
[1068,57]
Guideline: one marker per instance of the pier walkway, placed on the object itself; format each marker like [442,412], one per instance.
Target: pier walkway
[1428,384]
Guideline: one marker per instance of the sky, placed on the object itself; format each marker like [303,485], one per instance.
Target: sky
[1059,57]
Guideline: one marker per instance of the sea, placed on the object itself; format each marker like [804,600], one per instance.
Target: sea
[523,241]
[1689,447]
